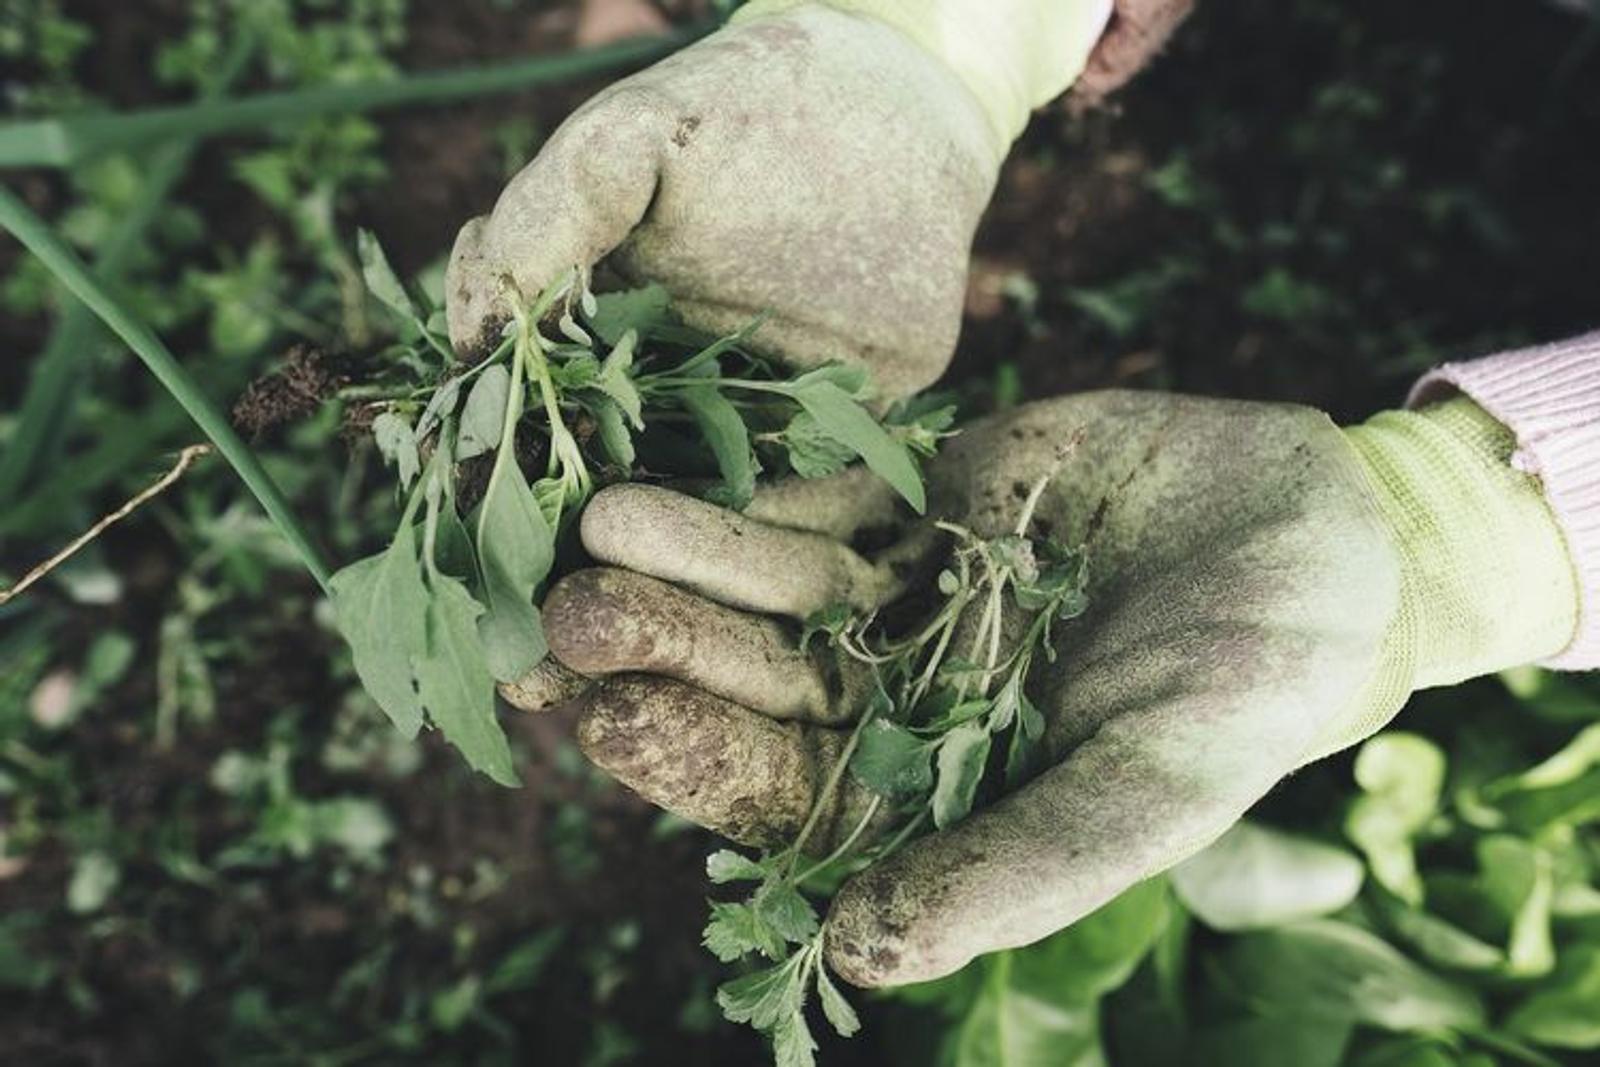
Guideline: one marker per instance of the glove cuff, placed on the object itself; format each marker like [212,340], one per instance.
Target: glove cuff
[1487,580]
[1014,55]
[1549,396]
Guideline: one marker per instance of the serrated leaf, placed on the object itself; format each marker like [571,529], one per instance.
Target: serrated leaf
[725,433]
[726,865]
[516,546]
[398,445]
[380,604]
[892,761]
[792,1043]
[849,424]
[840,1015]
[615,381]
[736,929]
[454,681]
[380,278]
[788,913]
[484,415]
[760,999]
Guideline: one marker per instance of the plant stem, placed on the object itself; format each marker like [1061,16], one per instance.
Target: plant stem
[845,845]
[69,141]
[39,239]
[829,787]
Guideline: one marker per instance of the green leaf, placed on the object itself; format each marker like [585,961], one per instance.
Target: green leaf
[454,680]
[1518,877]
[963,752]
[1401,775]
[1322,969]
[729,440]
[382,282]
[643,310]
[792,1043]
[736,929]
[1254,876]
[484,415]
[892,761]
[786,912]
[1565,1011]
[516,547]
[616,382]
[520,968]
[725,866]
[848,423]
[379,604]
[840,1015]
[814,453]
[615,436]
[398,445]
[1271,1043]
[440,404]
[760,999]
[94,878]
[1437,940]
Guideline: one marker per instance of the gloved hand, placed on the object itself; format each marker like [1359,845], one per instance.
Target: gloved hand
[1265,589]
[826,162]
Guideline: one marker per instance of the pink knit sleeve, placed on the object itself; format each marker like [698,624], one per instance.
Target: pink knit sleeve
[1550,398]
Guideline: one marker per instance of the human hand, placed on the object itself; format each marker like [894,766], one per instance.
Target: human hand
[1244,590]
[813,164]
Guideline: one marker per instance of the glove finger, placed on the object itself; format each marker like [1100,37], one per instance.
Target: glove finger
[548,685]
[719,765]
[606,621]
[1114,813]
[577,200]
[730,557]
[839,506]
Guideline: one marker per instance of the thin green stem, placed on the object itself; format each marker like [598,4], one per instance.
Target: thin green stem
[828,788]
[66,142]
[39,239]
[844,846]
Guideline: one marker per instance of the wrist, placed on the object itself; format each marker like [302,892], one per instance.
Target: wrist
[1013,55]
[1487,578]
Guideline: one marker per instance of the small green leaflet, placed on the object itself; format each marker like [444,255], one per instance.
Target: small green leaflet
[726,865]
[963,752]
[841,1016]
[398,445]
[813,453]
[728,439]
[736,929]
[848,423]
[483,416]
[453,679]
[615,382]
[516,547]
[892,761]
[644,310]
[380,603]
[380,278]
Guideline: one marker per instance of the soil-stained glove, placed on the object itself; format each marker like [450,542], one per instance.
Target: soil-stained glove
[1265,588]
[824,162]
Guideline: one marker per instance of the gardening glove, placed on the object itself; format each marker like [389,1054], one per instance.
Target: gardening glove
[1264,589]
[824,162]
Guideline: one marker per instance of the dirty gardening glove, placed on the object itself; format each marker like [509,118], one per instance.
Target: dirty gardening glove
[826,162]
[1265,589]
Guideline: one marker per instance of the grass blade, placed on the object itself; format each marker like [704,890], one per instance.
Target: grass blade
[65,142]
[39,239]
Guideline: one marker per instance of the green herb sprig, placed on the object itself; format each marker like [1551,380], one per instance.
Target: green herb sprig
[945,701]
[616,390]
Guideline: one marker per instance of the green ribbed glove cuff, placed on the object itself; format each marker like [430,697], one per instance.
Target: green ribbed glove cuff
[1486,579]
[1014,55]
